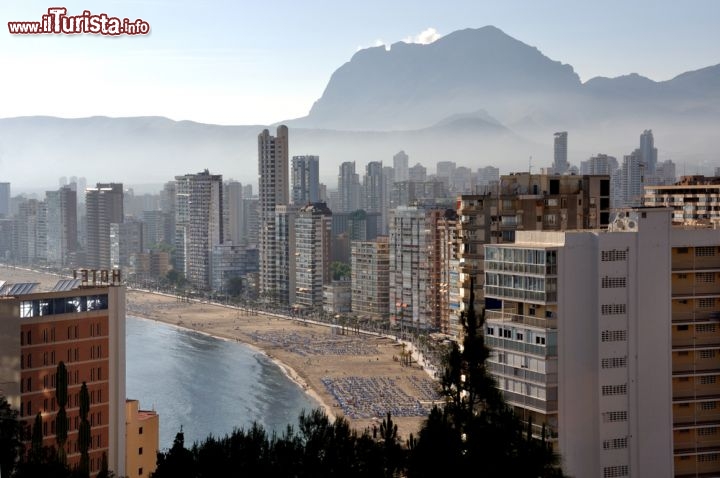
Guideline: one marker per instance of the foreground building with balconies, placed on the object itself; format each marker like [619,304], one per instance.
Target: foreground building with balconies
[578,324]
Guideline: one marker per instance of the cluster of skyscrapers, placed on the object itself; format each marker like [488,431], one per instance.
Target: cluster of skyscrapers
[600,285]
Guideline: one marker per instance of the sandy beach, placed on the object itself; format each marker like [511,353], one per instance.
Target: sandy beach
[357,376]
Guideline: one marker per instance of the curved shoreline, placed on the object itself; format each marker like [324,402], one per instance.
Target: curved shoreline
[287,370]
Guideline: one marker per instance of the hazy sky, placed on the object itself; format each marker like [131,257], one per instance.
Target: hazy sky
[242,62]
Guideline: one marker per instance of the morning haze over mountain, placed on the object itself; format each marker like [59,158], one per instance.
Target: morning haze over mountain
[475,96]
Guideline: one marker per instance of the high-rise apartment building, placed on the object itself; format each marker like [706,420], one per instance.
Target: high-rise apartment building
[417,173]
[487,176]
[4,200]
[416,290]
[374,193]
[126,239]
[648,151]
[313,227]
[560,163]
[233,198]
[695,334]
[527,202]
[305,180]
[370,278]
[30,236]
[61,226]
[599,164]
[694,199]
[104,206]
[273,191]
[198,224]
[285,258]
[80,323]
[633,178]
[349,187]
[400,165]
[579,338]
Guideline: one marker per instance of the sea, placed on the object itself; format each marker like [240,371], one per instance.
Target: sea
[204,385]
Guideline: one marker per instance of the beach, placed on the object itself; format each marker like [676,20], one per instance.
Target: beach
[357,376]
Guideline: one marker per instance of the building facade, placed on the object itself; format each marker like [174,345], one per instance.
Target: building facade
[580,341]
[313,238]
[198,224]
[370,278]
[80,323]
[104,206]
[273,191]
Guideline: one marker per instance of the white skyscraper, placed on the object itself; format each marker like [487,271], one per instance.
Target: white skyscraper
[273,191]
[198,224]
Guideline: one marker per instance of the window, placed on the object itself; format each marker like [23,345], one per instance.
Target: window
[707,379]
[613,309]
[140,431]
[614,335]
[614,362]
[140,471]
[709,431]
[613,256]
[615,443]
[706,303]
[540,340]
[614,282]
[707,354]
[708,457]
[708,405]
[490,331]
[140,451]
[619,416]
[704,251]
[704,277]
[705,328]
[616,471]
[681,327]
[519,336]
[682,250]
[608,390]
[682,276]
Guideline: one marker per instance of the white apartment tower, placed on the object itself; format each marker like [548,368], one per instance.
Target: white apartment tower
[560,164]
[581,339]
[313,226]
[198,224]
[273,191]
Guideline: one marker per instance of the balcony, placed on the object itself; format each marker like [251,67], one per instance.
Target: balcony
[530,321]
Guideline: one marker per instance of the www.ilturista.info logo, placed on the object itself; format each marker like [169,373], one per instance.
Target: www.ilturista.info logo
[58,22]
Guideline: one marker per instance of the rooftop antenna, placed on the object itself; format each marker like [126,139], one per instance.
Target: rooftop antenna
[530,165]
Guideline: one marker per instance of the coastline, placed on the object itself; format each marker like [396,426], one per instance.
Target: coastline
[358,377]
[287,370]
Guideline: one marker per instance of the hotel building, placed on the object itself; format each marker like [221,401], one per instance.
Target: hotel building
[81,323]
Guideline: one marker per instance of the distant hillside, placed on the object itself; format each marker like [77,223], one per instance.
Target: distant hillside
[476,97]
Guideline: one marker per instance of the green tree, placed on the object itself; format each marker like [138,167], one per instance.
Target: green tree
[10,446]
[61,420]
[84,435]
[340,270]
[234,286]
[475,425]
[36,440]
[177,462]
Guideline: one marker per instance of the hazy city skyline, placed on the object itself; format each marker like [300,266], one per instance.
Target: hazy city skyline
[230,66]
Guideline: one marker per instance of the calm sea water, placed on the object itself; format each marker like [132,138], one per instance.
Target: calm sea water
[208,386]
